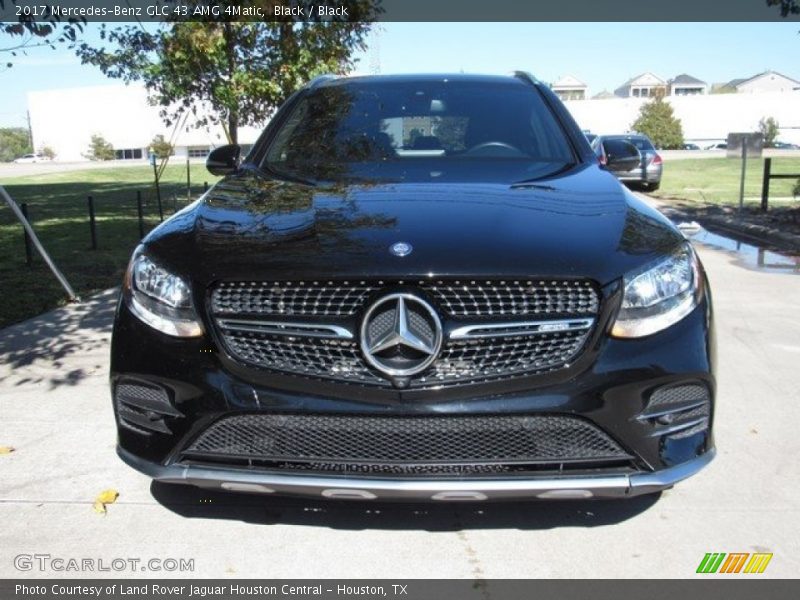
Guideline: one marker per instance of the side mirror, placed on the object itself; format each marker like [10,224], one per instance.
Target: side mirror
[223,160]
[623,156]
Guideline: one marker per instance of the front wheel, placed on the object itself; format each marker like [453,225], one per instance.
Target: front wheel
[653,186]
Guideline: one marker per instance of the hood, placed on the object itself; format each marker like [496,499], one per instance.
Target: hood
[250,227]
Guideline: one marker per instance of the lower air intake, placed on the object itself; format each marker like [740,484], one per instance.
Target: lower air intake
[406,440]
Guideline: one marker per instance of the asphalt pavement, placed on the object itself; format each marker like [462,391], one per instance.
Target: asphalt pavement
[56,412]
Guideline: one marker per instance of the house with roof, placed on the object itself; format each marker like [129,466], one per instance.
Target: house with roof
[686,85]
[568,87]
[768,81]
[645,85]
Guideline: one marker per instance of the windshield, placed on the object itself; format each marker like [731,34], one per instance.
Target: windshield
[439,130]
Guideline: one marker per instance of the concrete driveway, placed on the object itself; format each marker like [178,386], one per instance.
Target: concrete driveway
[56,412]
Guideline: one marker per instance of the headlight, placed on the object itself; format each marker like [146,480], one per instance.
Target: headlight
[660,295]
[159,298]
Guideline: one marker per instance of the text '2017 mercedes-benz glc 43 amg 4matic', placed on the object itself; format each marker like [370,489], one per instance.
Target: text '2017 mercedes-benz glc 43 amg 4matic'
[416,287]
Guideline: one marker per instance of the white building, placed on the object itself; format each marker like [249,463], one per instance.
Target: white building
[768,81]
[66,119]
[645,85]
[704,117]
[686,85]
[568,87]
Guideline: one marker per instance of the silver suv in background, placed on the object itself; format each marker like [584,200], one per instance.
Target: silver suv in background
[645,173]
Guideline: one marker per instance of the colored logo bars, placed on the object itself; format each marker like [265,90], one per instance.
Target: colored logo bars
[735,562]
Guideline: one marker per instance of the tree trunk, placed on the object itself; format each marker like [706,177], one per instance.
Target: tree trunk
[233,128]
[230,54]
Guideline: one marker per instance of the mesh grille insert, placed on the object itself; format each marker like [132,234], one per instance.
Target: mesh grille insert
[407,440]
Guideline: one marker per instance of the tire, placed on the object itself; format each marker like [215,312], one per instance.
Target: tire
[652,187]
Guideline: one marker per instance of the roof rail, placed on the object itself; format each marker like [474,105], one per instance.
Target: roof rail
[320,79]
[526,77]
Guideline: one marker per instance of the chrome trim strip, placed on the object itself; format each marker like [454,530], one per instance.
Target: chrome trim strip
[679,427]
[666,411]
[314,486]
[286,328]
[522,327]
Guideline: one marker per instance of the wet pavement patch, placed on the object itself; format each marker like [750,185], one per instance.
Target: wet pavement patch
[751,255]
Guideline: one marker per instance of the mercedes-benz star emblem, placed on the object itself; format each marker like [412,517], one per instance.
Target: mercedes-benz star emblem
[401,249]
[401,335]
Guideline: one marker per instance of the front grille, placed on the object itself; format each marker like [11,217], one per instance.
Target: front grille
[301,298]
[457,298]
[461,361]
[315,357]
[514,298]
[426,445]
[499,357]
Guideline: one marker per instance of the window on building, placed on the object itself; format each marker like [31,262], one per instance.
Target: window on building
[129,154]
[198,151]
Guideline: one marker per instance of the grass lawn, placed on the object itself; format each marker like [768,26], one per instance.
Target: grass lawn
[716,181]
[57,208]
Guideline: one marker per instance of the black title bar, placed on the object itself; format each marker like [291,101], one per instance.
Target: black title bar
[399,10]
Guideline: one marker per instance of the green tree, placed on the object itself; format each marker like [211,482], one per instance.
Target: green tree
[35,30]
[769,131]
[231,73]
[100,149]
[14,142]
[47,152]
[657,121]
[162,147]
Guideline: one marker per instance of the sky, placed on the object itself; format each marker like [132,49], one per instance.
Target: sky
[603,55]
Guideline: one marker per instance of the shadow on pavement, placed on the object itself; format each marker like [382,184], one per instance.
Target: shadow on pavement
[43,349]
[193,502]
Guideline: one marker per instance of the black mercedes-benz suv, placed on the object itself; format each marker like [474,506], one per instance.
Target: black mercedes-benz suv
[416,287]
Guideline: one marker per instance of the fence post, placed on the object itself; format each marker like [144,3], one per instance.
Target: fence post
[765,184]
[28,249]
[205,186]
[92,225]
[139,212]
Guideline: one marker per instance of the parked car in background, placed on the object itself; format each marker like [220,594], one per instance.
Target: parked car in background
[645,172]
[718,146]
[690,146]
[31,158]
[785,146]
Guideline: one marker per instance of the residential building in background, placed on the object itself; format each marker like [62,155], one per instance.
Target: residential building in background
[568,87]
[768,81]
[645,85]
[686,85]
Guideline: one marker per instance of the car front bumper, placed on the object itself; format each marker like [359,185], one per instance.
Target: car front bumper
[611,390]
[545,488]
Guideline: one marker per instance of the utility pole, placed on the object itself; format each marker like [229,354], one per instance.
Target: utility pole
[30,130]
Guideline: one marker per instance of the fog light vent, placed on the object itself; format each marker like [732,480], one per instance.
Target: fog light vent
[142,407]
[680,411]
